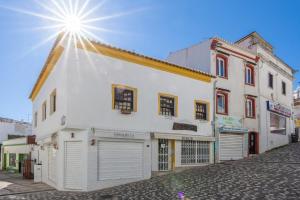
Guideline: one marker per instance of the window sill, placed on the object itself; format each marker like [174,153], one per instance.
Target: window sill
[248,117]
[223,77]
[221,113]
[253,85]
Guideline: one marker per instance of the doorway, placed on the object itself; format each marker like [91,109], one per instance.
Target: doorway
[253,143]
[163,154]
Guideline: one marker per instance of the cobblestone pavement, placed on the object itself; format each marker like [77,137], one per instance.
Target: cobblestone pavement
[273,175]
[11,183]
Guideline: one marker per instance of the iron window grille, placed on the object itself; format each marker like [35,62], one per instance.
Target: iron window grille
[194,152]
[123,99]
[201,111]
[167,106]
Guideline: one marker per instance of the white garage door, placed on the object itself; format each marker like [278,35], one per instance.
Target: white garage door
[231,146]
[73,165]
[120,160]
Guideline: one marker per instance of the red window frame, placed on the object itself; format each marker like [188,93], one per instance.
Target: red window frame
[225,94]
[252,74]
[253,107]
[225,58]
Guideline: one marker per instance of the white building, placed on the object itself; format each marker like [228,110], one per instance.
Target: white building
[10,128]
[15,151]
[254,89]
[275,93]
[236,93]
[13,128]
[105,116]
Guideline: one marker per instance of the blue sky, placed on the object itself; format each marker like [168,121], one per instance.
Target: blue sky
[156,29]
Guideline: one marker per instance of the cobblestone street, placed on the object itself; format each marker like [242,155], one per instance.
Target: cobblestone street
[273,175]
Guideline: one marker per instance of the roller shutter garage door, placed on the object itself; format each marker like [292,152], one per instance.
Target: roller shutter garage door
[120,160]
[73,172]
[231,146]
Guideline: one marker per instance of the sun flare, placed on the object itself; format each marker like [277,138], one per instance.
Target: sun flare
[73,24]
[75,20]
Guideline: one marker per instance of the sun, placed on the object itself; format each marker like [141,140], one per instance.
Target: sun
[73,24]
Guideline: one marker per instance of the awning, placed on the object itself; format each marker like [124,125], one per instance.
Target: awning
[233,130]
[182,137]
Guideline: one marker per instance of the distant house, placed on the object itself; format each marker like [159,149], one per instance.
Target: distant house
[10,128]
[15,151]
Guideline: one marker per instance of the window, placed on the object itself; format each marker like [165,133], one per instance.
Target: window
[53,102]
[250,107]
[283,88]
[249,75]
[270,80]
[124,98]
[194,152]
[12,160]
[168,105]
[201,110]
[35,119]
[221,66]
[278,123]
[44,111]
[222,103]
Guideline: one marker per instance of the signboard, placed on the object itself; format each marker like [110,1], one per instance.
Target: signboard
[278,108]
[297,123]
[229,121]
[182,126]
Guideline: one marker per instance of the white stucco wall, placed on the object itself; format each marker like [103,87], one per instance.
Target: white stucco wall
[90,95]
[56,80]
[195,57]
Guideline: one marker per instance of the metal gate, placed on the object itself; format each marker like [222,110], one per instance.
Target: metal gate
[163,154]
[194,152]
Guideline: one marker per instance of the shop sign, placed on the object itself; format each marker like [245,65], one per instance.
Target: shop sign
[123,135]
[229,121]
[297,123]
[278,108]
[182,126]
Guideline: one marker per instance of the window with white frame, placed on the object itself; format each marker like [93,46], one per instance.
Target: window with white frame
[249,75]
[194,152]
[222,103]
[250,108]
[221,67]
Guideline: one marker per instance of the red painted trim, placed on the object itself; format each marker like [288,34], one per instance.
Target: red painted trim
[226,102]
[253,107]
[225,58]
[252,72]
[213,46]
[238,53]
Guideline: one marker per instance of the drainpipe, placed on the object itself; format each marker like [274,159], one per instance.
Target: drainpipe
[214,117]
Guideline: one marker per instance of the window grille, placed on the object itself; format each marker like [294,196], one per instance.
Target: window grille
[201,111]
[123,99]
[194,152]
[167,106]
[163,155]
